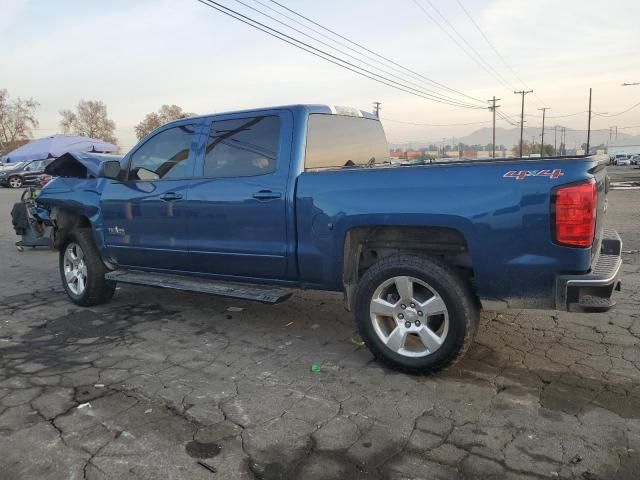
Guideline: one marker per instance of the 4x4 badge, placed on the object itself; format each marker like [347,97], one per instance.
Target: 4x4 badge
[522,174]
[116,231]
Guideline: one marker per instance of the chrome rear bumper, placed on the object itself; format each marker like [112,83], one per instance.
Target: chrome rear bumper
[592,292]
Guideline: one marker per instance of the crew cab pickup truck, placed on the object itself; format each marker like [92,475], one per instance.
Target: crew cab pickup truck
[254,204]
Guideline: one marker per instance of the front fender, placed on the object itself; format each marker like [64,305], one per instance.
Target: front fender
[72,202]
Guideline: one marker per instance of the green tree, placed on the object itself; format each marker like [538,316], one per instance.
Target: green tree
[533,149]
[548,150]
[526,149]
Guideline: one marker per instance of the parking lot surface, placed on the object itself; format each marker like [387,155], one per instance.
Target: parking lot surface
[166,384]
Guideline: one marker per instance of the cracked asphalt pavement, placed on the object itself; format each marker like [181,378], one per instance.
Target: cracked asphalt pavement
[167,384]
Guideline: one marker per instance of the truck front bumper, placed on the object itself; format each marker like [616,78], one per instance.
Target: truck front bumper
[592,292]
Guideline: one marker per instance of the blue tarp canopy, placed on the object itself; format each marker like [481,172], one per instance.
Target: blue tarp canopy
[56,145]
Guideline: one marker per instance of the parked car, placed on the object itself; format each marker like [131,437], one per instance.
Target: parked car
[621,162]
[25,174]
[619,157]
[635,160]
[253,204]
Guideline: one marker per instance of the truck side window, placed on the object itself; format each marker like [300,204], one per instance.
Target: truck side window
[339,141]
[242,148]
[165,155]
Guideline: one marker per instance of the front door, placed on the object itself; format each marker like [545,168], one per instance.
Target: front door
[238,214]
[145,215]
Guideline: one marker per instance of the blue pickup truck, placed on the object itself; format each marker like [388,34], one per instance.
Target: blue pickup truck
[254,204]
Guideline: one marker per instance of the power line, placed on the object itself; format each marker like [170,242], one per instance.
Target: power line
[567,115]
[495,50]
[589,123]
[322,54]
[556,116]
[400,80]
[544,112]
[385,119]
[376,109]
[376,57]
[523,93]
[481,62]
[506,118]
[493,109]
[619,113]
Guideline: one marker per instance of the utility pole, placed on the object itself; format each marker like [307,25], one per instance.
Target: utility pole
[376,109]
[523,93]
[544,112]
[493,109]
[555,141]
[563,145]
[589,124]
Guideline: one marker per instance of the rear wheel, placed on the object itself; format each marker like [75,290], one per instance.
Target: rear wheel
[415,313]
[15,182]
[82,270]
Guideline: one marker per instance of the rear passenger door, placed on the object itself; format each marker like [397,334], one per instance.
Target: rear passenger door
[238,206]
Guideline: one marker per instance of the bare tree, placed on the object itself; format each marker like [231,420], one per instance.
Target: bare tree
[154,120]
[17,119]
[527,149]
[90,119]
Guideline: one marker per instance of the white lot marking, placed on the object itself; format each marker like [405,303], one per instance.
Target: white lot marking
[625,185]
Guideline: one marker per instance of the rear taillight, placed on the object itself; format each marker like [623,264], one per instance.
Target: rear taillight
[574,214]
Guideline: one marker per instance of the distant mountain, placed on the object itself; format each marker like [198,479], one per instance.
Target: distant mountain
[511,136]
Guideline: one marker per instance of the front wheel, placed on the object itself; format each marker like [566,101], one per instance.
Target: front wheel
[415,313]
[15,182]
[82,270]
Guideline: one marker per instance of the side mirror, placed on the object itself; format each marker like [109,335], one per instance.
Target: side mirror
[110,169]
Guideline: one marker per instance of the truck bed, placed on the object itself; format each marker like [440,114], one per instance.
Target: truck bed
[501,207]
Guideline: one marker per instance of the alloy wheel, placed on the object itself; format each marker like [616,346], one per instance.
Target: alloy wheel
[409,316]
[75,269]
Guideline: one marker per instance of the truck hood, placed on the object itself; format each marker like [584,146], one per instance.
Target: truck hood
[79,164]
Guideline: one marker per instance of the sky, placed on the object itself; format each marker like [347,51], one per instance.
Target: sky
[135,55]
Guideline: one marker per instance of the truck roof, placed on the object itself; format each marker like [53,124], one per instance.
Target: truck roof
[307,108]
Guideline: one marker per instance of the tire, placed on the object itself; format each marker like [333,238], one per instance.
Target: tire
[440,317]
[87,265]
[15,182]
